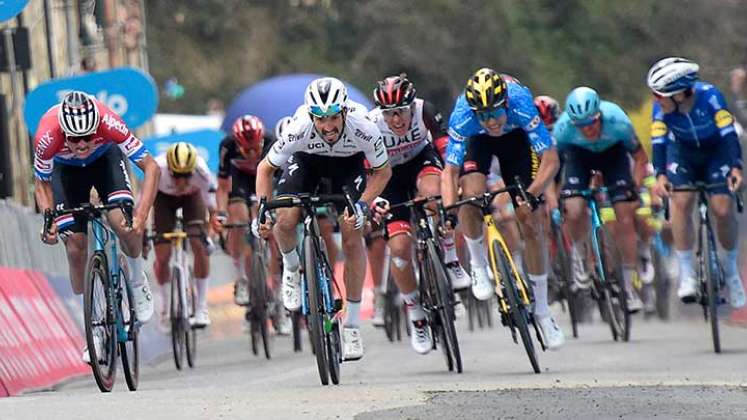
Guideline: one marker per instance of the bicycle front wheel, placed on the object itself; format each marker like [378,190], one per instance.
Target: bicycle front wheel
[316,309]
[445,304]
[129,349]
[518,312]
[190,337]
[613,293]
[563,266]
[177,315]
[258,325]
[713,279]
[99,326]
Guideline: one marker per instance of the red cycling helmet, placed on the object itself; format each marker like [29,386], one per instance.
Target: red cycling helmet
[249,132]
[548,108]
[394,92]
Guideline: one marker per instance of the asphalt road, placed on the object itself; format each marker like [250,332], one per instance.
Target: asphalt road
[668,370]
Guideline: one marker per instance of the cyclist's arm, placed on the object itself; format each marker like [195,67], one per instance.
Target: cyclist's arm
[434,122]
[640,166]
[149,186]
[376,183]
[43,193]
[549,165]
[449,184]
[221,194]
[264,179]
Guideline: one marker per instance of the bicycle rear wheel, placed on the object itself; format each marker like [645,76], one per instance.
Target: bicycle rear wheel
[296,322]
[429,298]
[177,315]
[190,337]
[316,310]
[130,349]
[445,303]
[613,290]
[96,309]
[518,312]
[712,284]
[258,325]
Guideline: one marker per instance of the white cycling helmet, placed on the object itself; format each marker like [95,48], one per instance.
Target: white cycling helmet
[326,97]
[672,75]
[281,125]
[78,115]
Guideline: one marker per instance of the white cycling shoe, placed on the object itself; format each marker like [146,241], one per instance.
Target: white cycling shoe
[201,318]
[143,300]
[98,342]
[554,337]
[292,289]
[352,343]
[736,291]
[459,278]
[482,286]
[378,316]
[688,288]
[635,304]
[241,291]
[420,336]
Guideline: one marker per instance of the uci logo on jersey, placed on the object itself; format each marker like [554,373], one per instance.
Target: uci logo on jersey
[315,146]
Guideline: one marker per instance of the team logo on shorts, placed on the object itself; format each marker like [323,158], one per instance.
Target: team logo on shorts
[470,165]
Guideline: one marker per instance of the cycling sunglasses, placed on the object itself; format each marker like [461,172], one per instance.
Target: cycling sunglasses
[586,122]
[318,112]
[391,112]
[182,176]
[492,114]
[78,139]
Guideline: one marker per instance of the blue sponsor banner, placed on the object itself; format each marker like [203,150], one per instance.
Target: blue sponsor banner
[10,8]
[129,92]
[207,143]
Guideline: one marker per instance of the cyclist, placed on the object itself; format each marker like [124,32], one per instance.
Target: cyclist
[694,139]
[329,138]
[73,153]
[408,126]
[240,153]
[597,135]
[496,116]
[186,183]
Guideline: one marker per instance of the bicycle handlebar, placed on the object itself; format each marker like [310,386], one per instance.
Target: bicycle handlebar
[484,199]
[416,202]
[306,200]
[701,187]
[88,210]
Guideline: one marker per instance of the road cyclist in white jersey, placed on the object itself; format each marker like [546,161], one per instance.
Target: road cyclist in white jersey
[408,127]
[329,137]
[187,184]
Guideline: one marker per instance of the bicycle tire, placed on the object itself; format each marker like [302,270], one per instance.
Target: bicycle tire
[390,309]
[176,311]
[712,282]
[333,353]
[296,324]
[518,313]
[190,338]
[130,349]
[564,262]
[315,319]
[613,287]
[96,288]
[446,304]
[435,323]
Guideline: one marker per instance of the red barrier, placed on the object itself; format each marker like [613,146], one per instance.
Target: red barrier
[39,344]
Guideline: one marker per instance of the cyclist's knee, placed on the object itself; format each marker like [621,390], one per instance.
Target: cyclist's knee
[77,248]
[473,184]
[401,246]
[238,212]
[287,219]
[721,206]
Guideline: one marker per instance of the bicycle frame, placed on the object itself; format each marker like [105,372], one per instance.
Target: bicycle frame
[179,261]
[494,234]
[103,236]
[311,230]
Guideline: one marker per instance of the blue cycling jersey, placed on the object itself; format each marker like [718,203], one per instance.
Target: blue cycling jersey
[707,123]
[521,113]
[616,128]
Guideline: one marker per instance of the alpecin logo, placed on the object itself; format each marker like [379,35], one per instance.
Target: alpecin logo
[113,123]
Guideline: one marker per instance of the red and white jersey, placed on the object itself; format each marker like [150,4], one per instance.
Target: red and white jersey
[402,149]
[50,147]
[359,134]
[201,180]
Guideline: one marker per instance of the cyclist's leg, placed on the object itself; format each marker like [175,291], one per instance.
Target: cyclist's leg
[618,178]
[195,213]
[301,177]
[504,215]
[242,188]
[376,252]
[681,171]
[576,177]
[473,182]
[164,214]
[723,211]
[518,160]
[70,187]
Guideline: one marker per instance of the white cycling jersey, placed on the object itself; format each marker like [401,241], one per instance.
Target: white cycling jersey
[402,149]
[201,180]
[359,135]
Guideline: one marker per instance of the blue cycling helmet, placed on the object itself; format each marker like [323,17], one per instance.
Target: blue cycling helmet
[672,75]
[582,105]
